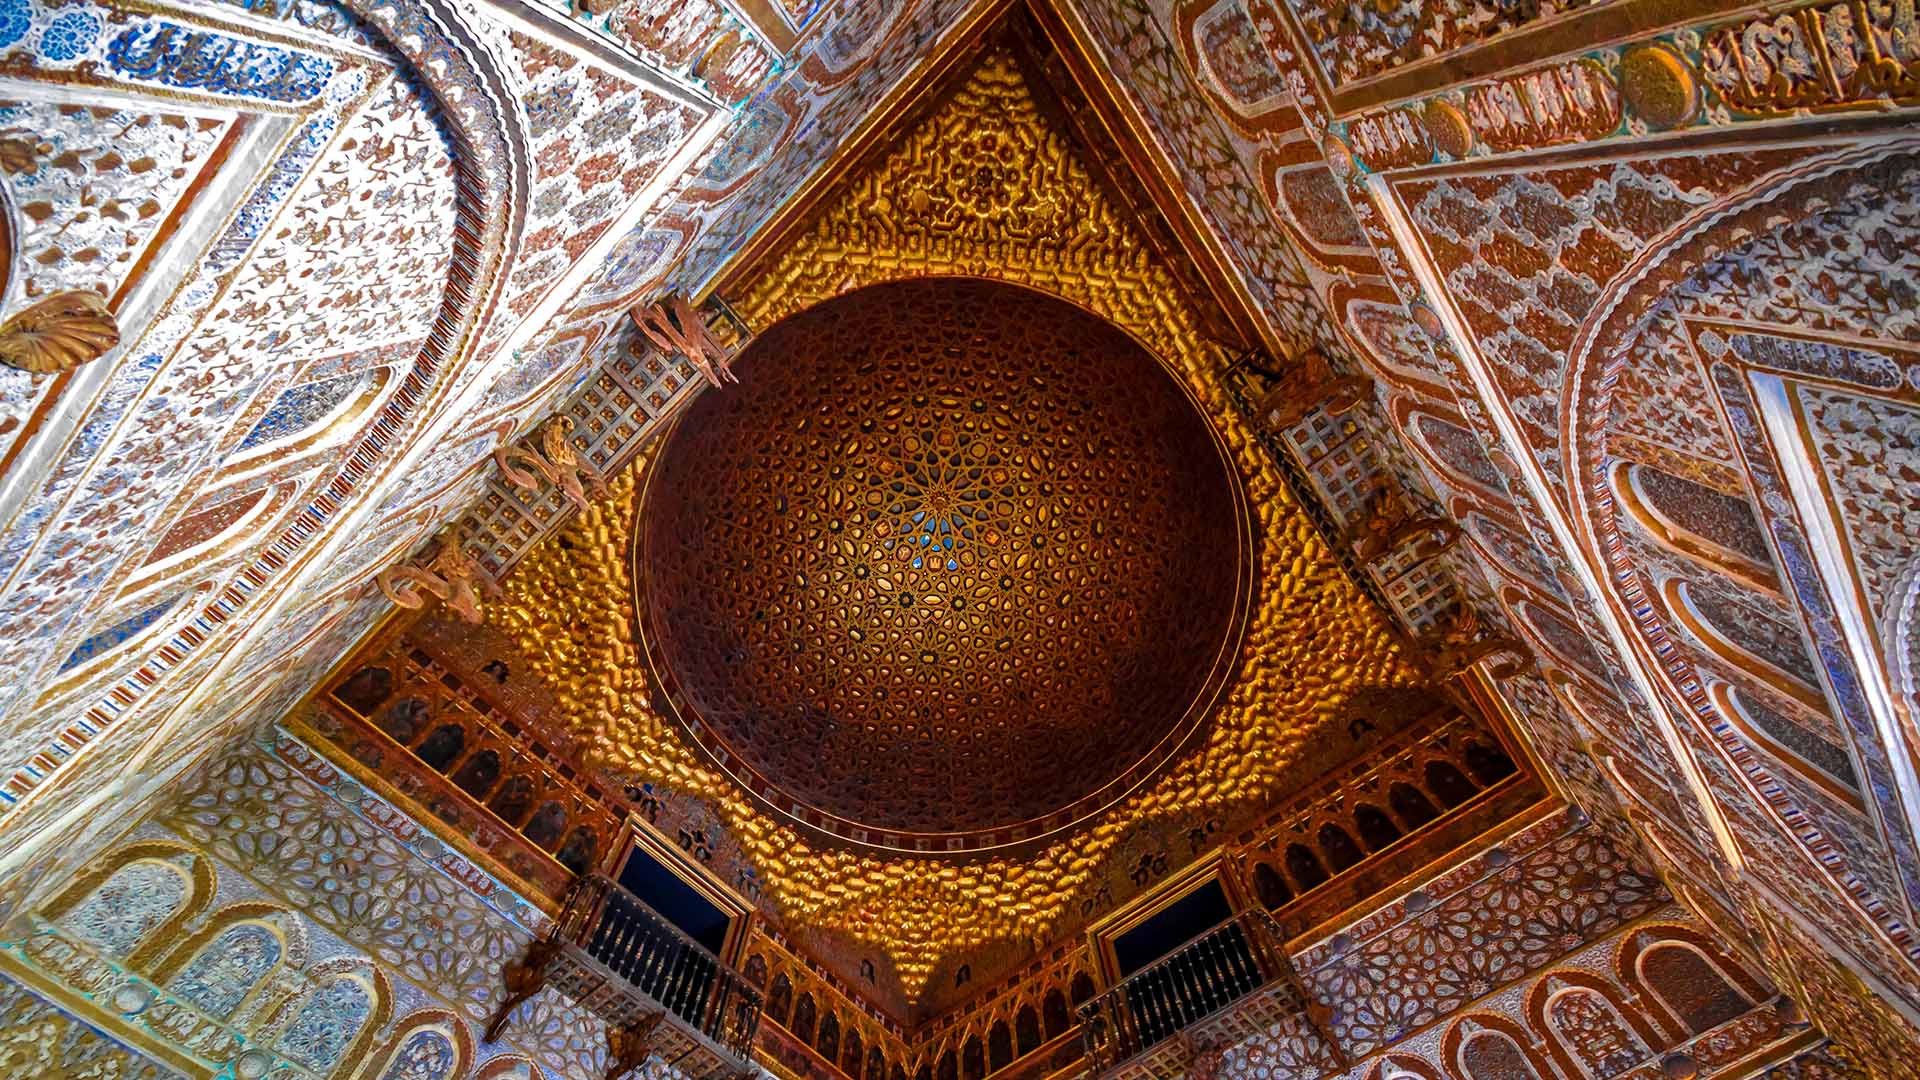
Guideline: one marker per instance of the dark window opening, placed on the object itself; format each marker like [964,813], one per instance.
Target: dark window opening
[1411,806]
[676,901]
[1055,1010]
[1342,853]
[1270,887]
[1027,1030]
[1172,979]
[443,747]
[1171,927]
[364,692]
[1305,867]
[1488,764]
[1448,784]
[1377,830]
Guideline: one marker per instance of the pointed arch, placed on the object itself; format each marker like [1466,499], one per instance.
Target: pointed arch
[853,1057]
[468,81]
[973,1059]
[509,1067]
[1403,1067]
[1080,989]
[1721,640]
[365,690]
[1303,866]
[309,415]
[546,825]
[805,1012]
[827,1039]
[780,999]
[1706,526]
[1792,743]
[1026,1031]
[1377,830]
[1053,1008]
[1411,805]
[1488,763]
[1694,989]
[1338,846]
[477,775]
[1448,784]
[1269,887]
[443,746]
[999,1046]
[404,720]
[513,800]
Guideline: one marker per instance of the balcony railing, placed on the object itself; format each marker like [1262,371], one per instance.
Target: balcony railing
[625,962]
[1234,976]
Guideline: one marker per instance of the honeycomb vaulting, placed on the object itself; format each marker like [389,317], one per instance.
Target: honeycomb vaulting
[1312,639]
[956,557]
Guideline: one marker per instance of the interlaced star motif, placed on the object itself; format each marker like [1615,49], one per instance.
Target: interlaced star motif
[953,556]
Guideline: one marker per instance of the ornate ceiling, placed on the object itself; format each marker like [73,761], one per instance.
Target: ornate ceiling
[1041,216]
[955,566]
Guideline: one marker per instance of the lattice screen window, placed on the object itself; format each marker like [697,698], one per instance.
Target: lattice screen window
[1347,476]
[1422,594]
[1318,434]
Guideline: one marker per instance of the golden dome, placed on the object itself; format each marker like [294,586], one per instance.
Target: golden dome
[956,565]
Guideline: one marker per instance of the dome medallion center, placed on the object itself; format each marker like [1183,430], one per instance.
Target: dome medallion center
[955,566]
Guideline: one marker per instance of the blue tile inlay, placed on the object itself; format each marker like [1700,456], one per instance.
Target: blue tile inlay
[109,639]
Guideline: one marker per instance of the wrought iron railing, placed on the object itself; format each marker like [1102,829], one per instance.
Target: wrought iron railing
[1201,979]
[625,962]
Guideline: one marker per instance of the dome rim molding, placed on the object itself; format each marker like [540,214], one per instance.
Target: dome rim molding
[1012,839]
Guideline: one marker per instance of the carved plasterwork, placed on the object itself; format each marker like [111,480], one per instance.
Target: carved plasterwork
[63,331]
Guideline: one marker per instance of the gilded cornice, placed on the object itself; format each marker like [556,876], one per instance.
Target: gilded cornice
[983,186]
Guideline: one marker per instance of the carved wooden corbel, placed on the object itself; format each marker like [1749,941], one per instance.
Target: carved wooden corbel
[675,327]
[1318,1016]
[1206,1056]
[525,978]
[1459,646]
[1388,526]
[553,460]
[628,1047]
[1309,384]
[452,577]
[59,333]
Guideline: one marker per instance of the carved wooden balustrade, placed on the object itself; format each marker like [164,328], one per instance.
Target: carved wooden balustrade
[1226,985]
[621,960]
